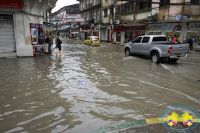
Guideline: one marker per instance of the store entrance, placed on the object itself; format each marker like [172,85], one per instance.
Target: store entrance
[118,37]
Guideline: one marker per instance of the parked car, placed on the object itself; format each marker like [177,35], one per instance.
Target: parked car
[157,47]
[92,40]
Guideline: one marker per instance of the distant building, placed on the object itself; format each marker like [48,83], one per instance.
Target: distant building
[91,13]
[68,16]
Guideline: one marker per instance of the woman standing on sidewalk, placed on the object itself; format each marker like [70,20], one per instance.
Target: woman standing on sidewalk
[58,44]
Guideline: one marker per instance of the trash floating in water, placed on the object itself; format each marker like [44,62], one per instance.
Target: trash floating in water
[82,82]
[79,98]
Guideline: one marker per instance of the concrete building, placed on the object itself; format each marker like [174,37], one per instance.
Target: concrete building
[69,20]
[15,24]
[153,17]
[91,13]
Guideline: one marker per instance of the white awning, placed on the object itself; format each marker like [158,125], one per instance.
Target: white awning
[85,30]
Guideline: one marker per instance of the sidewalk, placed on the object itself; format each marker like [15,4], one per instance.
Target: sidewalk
[152,125]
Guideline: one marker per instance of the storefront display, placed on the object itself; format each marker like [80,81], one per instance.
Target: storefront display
[40,33]
[171,33]
[193,29]
[135,31]
[154,33]
[33,34]
[195,34]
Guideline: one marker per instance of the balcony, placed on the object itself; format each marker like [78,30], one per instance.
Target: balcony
[90,6]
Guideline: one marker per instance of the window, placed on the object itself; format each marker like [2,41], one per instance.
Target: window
[111,11]
[105,13]
[164,3]
[158,39]
[127,7]
[144,4]
[194,1]
[145,40]
[138,40]
[117,10]
[95,38]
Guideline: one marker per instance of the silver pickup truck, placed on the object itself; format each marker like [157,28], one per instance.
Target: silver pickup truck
[157,47]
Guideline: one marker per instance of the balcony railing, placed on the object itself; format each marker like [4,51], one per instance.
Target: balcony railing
[88,5]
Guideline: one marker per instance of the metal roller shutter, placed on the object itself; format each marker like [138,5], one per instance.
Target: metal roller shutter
[7,37]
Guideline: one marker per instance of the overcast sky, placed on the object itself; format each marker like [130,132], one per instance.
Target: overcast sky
[62,3]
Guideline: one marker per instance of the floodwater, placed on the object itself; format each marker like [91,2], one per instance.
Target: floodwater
[44,93]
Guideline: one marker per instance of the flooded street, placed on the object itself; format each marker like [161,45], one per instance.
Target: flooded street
[44,93]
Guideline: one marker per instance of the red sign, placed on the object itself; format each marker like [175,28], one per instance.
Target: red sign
[143,27]
[11,4]
[119,28]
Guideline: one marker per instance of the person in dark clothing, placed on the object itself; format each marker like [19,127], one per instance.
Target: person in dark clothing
[58,44]
[190,41]
[50,41]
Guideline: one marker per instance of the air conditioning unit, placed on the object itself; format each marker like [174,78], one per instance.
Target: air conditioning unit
[117,21]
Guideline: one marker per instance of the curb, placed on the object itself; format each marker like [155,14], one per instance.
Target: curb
[134,124]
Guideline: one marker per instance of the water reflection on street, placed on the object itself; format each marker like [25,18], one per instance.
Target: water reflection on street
[43,94]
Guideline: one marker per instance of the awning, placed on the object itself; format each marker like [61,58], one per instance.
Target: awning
[75,32]
[66,27]
[52,22]
[85,31]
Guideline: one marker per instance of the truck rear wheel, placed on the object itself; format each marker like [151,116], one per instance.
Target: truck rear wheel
[155,58]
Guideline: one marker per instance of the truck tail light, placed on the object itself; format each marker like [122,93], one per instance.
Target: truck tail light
[170,50]
[91,41]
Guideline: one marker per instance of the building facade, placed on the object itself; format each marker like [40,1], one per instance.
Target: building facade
[130,19]
[16,18]
[69,20]
[91,13]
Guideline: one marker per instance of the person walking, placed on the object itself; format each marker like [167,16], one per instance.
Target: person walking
[179,39]
[50,41]
[58,44]
[169,38]
[174,39]
[190,41]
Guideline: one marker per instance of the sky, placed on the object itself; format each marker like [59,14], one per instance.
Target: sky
[62,3]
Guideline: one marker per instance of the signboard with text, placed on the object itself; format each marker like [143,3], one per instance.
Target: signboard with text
[143,27]
[119,28]
[17,4]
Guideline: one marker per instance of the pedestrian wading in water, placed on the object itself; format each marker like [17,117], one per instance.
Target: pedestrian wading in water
[58,44]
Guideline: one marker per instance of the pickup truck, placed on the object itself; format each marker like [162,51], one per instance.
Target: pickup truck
[157,48]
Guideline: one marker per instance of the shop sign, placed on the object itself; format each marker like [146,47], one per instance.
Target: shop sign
[143,27]
[119,28]
[75,20]
[178,17]
[185,17]
[17,4]
[193,26]
[98,26]
[170,27]
[73,16]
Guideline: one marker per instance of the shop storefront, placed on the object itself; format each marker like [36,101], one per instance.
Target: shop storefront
[193,29]
[168,29]
[118,34]
[135,31]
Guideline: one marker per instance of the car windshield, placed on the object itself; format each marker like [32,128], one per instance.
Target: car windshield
[95,38]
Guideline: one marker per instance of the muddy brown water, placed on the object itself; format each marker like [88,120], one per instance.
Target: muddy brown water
[43,94]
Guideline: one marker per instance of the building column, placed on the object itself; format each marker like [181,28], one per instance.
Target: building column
[111,34]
